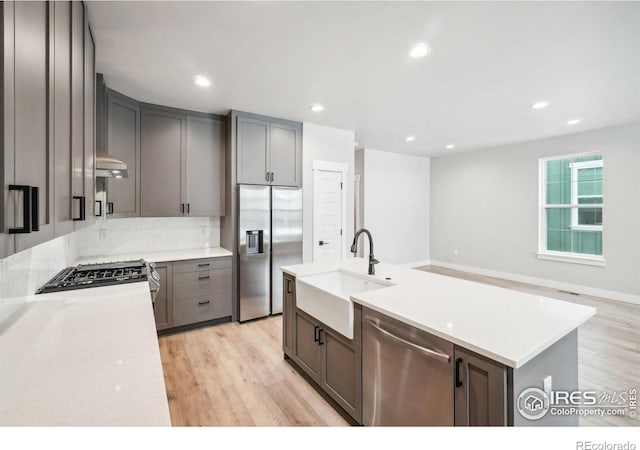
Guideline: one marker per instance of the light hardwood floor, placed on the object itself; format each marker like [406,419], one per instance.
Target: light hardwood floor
[235,374]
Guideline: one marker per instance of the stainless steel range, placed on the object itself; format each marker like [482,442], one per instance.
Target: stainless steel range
[105,274]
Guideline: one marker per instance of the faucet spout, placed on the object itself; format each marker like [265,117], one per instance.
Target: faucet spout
[354,249]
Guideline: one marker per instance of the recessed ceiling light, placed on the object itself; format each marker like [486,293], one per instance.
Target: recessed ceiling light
[410,138]
[540,105]
[450,147]
[574,121]
[419,50]
[317,107]
[201,81]
[115,171]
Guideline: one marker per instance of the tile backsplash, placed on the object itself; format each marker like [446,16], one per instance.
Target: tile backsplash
[113,236]
[23,273]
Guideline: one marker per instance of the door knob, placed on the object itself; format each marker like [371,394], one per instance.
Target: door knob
[323,243]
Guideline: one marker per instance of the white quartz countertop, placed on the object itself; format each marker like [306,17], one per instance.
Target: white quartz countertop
[81,357]
[507,326]
[158,256]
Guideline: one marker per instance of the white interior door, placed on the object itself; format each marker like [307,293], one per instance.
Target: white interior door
[328,213]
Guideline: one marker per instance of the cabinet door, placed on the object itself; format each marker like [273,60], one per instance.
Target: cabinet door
[89,125]
[480,394]
[205,161]
[162,139]
[289,304]
[286,154]
[341,371]
[60,29]
[306,351]
[33,147]
[163,307]
[123,142]
[77,101]
[253,150]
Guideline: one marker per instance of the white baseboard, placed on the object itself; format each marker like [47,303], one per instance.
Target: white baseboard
[577,288]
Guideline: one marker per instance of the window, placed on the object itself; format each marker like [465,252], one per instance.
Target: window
[571,208]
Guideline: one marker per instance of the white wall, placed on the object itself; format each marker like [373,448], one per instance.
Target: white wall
[324,144]
[395,204]
[485,205]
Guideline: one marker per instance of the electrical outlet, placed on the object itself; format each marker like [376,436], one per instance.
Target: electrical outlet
[103,233]
[455,253]
[546,385]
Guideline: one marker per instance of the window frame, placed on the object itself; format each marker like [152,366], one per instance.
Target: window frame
[575,203]
[554,255]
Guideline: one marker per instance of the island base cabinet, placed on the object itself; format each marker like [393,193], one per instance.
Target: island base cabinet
[306,349]
[328,358]
[341,372]
[480,390]
[288,308]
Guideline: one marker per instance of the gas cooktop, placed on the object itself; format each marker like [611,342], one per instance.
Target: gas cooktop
[94,275]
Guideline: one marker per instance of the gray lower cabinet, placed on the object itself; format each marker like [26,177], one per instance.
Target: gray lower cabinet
[163,306]
[269,150]
[328,358]
[193,291]
[480,390]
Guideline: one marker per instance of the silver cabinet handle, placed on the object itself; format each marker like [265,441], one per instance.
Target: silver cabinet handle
[426,351]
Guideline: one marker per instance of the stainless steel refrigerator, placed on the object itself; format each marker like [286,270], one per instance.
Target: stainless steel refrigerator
[269,236]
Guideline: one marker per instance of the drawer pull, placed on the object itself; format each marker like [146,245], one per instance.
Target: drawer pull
[204,265]
[206,277]
[204,302]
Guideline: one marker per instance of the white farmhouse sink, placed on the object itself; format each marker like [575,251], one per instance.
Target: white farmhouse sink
[325,296]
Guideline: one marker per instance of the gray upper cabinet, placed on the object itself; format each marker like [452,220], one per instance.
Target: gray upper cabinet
[182,163]
[205,162]
[77,99]
[89,125]
[123,142]
[162,138]
[286,154]
[72,104]
[253,151]
[32,148]
[60,29]
[269,151]
[44,128]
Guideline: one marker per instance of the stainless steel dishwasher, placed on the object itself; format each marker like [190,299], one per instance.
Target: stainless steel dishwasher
[407,374]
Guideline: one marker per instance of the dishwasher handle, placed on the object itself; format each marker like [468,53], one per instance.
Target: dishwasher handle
[423,350]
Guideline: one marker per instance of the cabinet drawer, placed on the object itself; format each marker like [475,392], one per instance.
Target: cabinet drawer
[204,282]
[193,265]
[199,309]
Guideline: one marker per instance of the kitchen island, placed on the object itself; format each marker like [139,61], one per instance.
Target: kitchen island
[86,357]
[521,339]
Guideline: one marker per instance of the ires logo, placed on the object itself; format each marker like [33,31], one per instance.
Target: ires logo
[533,403]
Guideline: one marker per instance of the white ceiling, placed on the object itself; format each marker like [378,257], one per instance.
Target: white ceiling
[489,62]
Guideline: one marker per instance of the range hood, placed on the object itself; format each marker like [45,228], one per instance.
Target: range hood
[109,167]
